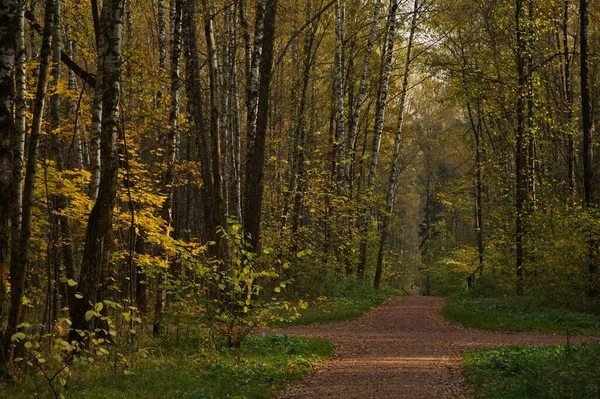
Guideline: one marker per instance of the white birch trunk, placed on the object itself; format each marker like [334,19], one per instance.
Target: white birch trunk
[357,106]
[392,187]
[339,94]
[383,92]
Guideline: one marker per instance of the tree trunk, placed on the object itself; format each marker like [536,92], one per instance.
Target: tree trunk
[378,130]
[339,97]
[9,31]
[97,238]
[255,160]
[392,187]
[218,215]
[353,120]
[298,167]
[522,186]
[194,91]
[170,158]
[586,125]
[253,73]
[568,102]
[19,265]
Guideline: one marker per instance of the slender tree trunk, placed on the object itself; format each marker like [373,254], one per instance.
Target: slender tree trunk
[378,130]
[171,157]
[235,119]
[9,31]
[16,193]
[392,187]
[195,105]
[521,149]
[253,74]
[568,101]
[97,238]
[96,127]
[353,120]
[338,67]
[254,187]
[586,125]
[218,216]
[298,167]
[19,265]
[59,201]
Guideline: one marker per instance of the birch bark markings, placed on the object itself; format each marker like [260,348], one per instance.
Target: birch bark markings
[19,265]
[97,237]
[378,129]
[383,92]
[9,14]
[170,158]
[357,106]
[392,187]
[338,67]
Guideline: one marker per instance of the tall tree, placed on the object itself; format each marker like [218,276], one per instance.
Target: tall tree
[9,22]
[378,125]
[255,159]
[19,264]
[586,125]
[395,167]
[97,246]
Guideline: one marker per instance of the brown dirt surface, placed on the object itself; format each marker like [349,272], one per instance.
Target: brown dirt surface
[402,349]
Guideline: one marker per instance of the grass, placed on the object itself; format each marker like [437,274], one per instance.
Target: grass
[187,370]
[557,372]
[517,372]
[516,315]
[193,367]
[339,308]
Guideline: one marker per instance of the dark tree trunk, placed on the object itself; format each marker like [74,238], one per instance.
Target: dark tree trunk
[586,125]
[97,237]
[19,264]
[9,21]
[255,160]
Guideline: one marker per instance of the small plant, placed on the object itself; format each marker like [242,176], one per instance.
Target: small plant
[241,302]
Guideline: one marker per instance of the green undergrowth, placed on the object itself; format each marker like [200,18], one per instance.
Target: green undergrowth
[557,372]
[191,368]
[519,315]
[347,305]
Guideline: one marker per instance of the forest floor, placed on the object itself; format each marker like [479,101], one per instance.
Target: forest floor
[402,349]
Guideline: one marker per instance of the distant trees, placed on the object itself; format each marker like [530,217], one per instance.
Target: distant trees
[385,139]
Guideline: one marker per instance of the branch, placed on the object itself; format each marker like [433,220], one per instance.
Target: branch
[300,30]
[87,77]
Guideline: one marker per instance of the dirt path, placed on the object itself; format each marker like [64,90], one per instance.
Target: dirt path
[403,349]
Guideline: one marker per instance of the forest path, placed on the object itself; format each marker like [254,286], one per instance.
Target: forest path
[402,349]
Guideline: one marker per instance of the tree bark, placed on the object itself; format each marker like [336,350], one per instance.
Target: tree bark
[353,120]
[97,245]
[586,126]
[19,265]
[218,215]
[392,186]
[9,28]
[339,97]
[378,130]
[255,160]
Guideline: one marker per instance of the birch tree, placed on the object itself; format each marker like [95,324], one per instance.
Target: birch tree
[97,237]
[19,264]
[395,167]
[9,28]
[378,126]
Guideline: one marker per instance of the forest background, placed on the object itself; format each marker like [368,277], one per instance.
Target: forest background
[226,161]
